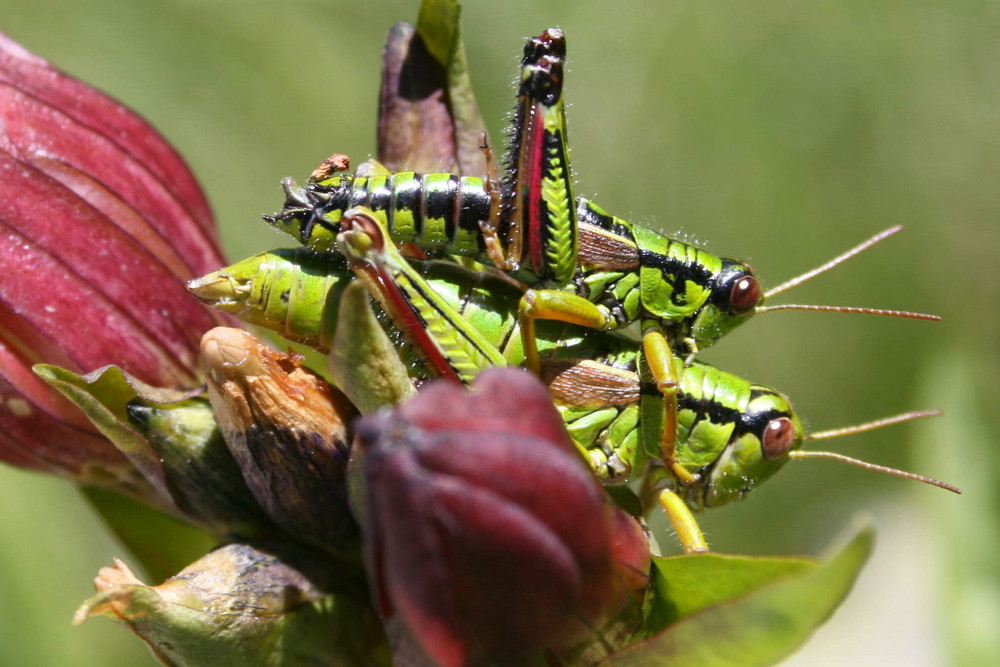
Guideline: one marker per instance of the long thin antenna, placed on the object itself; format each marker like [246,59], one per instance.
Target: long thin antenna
[801,454]
[872,425]
[850,309]
[864,428]
[840,259]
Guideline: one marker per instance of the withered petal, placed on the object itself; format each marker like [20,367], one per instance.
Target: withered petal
[287,430]
[244,604]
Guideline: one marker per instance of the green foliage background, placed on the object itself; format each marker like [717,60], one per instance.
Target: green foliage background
[779,131]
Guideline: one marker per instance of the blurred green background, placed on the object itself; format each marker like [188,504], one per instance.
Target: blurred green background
[782,132]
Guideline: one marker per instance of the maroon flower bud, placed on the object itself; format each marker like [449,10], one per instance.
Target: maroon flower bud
[488,540]
[428,118]
[101,224]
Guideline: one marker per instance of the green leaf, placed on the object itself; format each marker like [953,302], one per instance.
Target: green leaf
[687,584]
[172,438]
[363,361]
[103,396]
[733,610]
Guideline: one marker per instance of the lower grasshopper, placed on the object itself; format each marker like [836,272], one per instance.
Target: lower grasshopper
[730,435]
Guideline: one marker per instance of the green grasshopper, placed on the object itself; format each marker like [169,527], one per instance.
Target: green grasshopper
[585,263]
[579,264]
[730,434]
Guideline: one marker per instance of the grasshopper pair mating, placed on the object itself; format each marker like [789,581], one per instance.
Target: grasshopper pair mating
[557,272]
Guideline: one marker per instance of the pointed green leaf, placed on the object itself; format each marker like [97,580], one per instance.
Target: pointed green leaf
[687,584]
[742,610]
[438,24]
[440,28]
[428,116]
[363,361]
[103,396]
[172,438]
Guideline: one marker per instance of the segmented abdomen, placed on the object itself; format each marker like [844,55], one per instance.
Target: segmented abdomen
[428,210]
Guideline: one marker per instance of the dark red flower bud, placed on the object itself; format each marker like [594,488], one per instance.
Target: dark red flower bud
[487,538]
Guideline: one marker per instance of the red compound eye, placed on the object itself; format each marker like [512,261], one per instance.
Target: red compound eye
[779,436]
[745,295]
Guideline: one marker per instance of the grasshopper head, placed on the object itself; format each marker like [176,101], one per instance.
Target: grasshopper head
[768,430]
[735,296]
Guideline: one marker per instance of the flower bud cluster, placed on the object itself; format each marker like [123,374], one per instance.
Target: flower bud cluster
[441,531]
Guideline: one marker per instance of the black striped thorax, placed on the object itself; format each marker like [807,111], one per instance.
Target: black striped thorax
[636,272]
[706,393]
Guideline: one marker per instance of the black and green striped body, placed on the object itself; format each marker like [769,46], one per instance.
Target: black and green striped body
[721,419]
[637,274]
[430,211]
[531,225]
[630,271]
[584,370]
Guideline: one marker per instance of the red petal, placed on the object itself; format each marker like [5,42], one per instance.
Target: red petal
[119,127]
[90,288]
[492,581]
[101,224]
